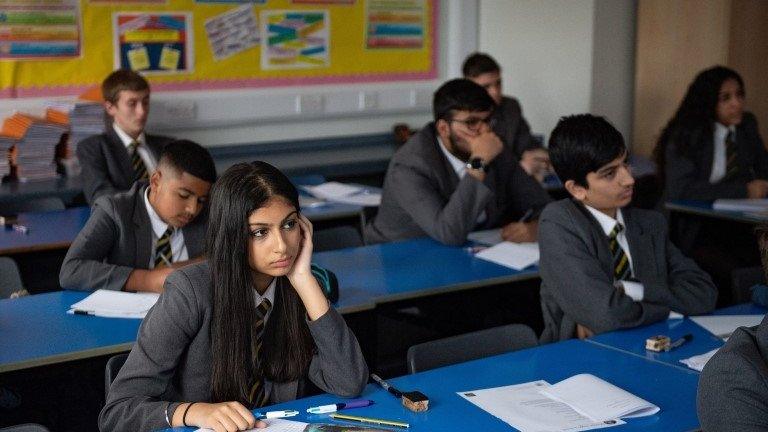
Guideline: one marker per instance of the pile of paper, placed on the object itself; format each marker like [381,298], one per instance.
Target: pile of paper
[516,256]
[345,193]
[723,325]
[698,362]
[578,403]
[115,304]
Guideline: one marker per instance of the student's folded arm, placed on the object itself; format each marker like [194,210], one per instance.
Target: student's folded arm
[94,175]
[448,222]
[84,267]
[681,181]
[692,290]
[526,193]
[135,397]
[339,366]
[580,286]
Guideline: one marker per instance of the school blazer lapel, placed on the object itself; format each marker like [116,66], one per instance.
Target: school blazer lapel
[602,248]
[121,157]
[640,247]
[143,230]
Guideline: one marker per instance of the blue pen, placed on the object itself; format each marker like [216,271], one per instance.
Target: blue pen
[323,409]
[275,414]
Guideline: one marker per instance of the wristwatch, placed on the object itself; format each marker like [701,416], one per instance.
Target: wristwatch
[477,164]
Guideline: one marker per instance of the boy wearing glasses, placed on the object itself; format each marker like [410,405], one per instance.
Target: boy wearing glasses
[455,176]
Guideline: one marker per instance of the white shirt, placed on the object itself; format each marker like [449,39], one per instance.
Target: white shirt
[460,168]
[178,247]
[633,289]
[269,294]
[719,162]
[144,153]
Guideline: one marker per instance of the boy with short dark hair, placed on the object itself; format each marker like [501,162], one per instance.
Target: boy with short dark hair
[112,161]
[605,266]
[510,125]
[135,239]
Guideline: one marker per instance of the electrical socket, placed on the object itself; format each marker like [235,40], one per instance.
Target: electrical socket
[180,110]
[368,100]
[310,104]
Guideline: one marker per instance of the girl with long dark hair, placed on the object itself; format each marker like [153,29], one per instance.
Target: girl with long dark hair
[711,148]
[241,330]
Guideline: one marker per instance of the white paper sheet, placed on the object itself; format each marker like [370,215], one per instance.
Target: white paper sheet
[698,362]
[345,193]
[523,407]
[489,237]
[513,255]
[275,425]
[744,205]
[723,325]
[599,399]
[116,304]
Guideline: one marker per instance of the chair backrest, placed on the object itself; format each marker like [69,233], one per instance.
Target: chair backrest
[110,371]
[743,279]
[470,346]
[10,279]
[27,427]
[34,205]
[336,238]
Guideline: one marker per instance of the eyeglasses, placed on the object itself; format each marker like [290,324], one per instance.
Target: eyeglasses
[473,123]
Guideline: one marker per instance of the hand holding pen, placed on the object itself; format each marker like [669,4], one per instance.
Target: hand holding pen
[521,231]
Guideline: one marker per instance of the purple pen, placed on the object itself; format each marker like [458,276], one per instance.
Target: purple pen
[324,409]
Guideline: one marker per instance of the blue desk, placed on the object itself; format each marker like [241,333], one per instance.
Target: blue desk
[413,268]
[66,188]
[633,340]
[36,330]
[704,208]
[47,230]
[672,389]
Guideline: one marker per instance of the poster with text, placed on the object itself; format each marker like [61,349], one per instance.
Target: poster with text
[395,23]
[32,29]
[294,39]
[154,43]
[232,32]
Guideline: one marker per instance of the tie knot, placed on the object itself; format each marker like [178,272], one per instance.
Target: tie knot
[134,145]
[264,307]
[168,232]
[616,230]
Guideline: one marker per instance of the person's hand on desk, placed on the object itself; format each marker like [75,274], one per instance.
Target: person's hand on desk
[757,189]
[221,417]
[520,232]
[582,332]
[536,163]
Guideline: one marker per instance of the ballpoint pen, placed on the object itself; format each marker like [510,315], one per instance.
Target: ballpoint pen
[323,409]
[275,414]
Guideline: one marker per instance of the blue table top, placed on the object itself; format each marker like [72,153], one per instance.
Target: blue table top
[672,389]
[633,340]
[704,208]
[66,188]
[47,230]
[36,330]
[412,268]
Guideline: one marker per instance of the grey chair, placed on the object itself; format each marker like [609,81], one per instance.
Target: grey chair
[27,427]
[470,346]
[114,364]
[34,205]
[10,279]
[336,238]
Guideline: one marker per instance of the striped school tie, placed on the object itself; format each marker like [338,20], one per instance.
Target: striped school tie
[137,162]
[731,159]
[258,396]
[163,252]
[621,268]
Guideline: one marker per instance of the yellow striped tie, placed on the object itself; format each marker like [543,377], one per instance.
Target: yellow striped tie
[163,252]
[258,395]
[137,162]
[621,269]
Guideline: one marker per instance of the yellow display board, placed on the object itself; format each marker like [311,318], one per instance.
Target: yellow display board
[61,47]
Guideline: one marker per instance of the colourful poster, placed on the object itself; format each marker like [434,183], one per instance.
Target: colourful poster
[294,39]
[34,30]
[233,32]
[154,43]
[334,2]
[122,2]
[231,1]
[395,23]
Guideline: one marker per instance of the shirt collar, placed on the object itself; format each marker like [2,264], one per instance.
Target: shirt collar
[269,294]
[721,130]
[125,138]
[458,166]
[158,226]
[606,222]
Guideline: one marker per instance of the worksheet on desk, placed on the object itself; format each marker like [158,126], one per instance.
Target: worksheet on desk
[523,407]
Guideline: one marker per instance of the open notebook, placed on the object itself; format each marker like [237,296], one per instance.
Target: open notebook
[115,304]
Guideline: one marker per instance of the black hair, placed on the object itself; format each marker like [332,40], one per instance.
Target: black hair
[693,122]
[287,344]
[479,63]
[581,144]
[460,95]
[190,157]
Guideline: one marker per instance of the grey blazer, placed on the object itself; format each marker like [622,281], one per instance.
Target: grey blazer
[423,196]
[577,273]
[117,239]
[171,360]
[511,127]
[106,164]
[733,389]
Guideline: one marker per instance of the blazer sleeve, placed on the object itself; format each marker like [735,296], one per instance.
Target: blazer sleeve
[134,401]
[760,160]
[94,175]
[732,394]
[581,287]
[338,367]
[84,266]
[448,222]
[523,139]
[682,182]
[523,191]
